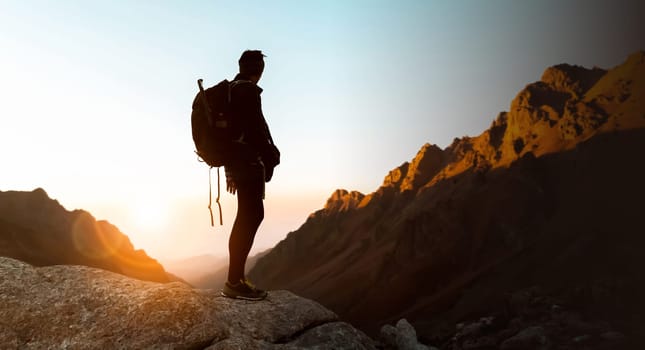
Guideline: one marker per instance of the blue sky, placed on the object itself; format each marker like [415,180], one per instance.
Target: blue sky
[96,95]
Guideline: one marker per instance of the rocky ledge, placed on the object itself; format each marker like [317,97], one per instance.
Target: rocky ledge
[79,307]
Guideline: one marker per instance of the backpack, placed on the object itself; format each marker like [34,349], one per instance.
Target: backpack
[212,129]
[212,125]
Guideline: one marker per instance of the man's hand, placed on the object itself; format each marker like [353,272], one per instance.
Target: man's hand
[271,156]
[231,187]
[268,174]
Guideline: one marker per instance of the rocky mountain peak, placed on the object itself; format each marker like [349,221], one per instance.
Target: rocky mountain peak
[410,176]
[637,57]
[559,84]
[571,79]
[342,200]
[396,176]
[425,165]
[566,106]
[34,206]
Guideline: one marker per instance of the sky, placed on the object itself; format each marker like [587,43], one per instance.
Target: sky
[95,96]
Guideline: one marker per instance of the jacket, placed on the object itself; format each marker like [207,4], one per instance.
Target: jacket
[251,129]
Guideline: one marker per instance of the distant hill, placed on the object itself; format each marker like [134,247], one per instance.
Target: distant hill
[194,268]
[205,271]
[39,231]
[216,278]
[550,197]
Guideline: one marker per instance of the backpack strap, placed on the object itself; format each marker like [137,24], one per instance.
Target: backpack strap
[235,83]
[210,197]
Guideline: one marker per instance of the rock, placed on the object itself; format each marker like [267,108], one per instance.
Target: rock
[8,338]
[341,200]
[571,79]
[574,322]
[486,342]
[582,339]
[472,329]
[480,334]
[335,335]
[401,337]
[530,338]
[612,336]
[425,165]
[388,336]
[91,308]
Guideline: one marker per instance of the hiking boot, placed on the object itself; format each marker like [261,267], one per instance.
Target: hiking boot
[243,290]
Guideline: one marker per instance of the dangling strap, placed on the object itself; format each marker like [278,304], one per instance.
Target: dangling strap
[210,197]
[219,205]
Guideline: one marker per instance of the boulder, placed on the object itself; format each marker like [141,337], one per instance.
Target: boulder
[81,307]
[401,337]
[529,338]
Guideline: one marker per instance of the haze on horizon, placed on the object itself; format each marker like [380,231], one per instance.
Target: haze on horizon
[96,97]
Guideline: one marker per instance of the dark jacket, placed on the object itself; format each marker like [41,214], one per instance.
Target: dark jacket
[251,128]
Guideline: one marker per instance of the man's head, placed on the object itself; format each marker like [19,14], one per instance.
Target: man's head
[252,64]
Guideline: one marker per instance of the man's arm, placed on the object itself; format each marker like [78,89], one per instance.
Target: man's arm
[252,123]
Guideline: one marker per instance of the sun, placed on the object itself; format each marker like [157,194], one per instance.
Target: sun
[150,214]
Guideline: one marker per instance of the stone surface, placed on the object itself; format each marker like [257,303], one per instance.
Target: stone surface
[87,308]
[536,319]
[401,337]
[336,335]
[341,200]
[529,338]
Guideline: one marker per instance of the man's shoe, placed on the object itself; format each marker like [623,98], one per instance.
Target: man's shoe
[243,290]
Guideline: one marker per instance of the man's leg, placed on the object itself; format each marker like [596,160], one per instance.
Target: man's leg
[250,213]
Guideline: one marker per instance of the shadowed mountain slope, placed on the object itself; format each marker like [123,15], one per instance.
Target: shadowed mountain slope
[551,195]
[38,230]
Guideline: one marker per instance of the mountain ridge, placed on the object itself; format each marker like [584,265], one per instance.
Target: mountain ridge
[536,104]
[39,230]
[439,222]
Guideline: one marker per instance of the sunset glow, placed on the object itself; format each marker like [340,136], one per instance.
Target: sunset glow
[96,96]
[150,214]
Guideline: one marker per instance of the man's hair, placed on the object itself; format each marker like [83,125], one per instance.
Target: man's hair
[251,62]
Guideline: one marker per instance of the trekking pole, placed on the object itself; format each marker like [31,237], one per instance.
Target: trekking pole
[202,95]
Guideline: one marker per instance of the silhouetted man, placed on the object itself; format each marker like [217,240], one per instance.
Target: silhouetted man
[256,157]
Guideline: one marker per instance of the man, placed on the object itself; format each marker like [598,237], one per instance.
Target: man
[256,157]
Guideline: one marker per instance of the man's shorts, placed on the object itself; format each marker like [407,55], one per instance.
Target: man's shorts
[247,175]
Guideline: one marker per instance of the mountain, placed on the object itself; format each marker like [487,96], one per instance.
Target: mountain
[217,277]
[38,230]
[78,307]
[195,268]
[549,200]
